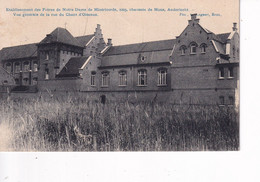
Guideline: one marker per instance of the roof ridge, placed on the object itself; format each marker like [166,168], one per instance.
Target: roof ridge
[84,35]
[143,42]
[20,45]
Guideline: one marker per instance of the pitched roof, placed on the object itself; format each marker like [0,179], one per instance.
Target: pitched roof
[223,37]
[141,47]
[83,40]
[18,52]
[61,35]
[71,69]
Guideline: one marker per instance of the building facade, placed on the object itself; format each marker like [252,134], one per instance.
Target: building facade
[197,67]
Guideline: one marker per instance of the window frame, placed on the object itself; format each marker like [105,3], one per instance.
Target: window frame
[183,50]
[93,79]
[220,71]
[17,65]
[8,65]
[193,45]
[46,74]
[162,77]
[203,47]
[26,66]
[142,78]
[230,70]
[221,100]
[105,79]
[122,78]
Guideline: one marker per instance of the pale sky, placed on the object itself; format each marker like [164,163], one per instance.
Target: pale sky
[122,27]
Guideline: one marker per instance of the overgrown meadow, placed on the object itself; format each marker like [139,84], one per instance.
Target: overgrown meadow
[76,124]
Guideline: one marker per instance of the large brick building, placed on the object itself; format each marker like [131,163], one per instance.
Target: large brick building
[197,67]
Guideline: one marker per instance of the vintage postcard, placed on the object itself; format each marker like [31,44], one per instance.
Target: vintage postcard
[119,75]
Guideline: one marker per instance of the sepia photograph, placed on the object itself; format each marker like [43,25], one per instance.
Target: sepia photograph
[119,77]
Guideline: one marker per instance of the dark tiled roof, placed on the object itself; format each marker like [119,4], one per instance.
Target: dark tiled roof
[71,69]
[223,37]
[141,47]
[83,40]
[18,52]
[61,35]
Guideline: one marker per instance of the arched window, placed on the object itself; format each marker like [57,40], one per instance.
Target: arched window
[183,49]
[26,66]
[17,67]
[46,74]
[142,77]
[122,78]
[17,82]
[162,77]
[26,81]
[203,48]
[93,78]
[35,79]
[193,47]
[105,79]
[9,67]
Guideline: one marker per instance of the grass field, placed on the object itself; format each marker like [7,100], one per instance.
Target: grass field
[49,125]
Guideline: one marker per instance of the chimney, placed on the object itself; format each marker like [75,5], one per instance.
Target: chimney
[193,16]
[109,42]
[234,27]
[194,20]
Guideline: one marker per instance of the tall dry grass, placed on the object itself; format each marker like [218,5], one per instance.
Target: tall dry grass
[49,125]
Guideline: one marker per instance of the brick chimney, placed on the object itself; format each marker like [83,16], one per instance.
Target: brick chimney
[234,27]
[109,42]
[194,20]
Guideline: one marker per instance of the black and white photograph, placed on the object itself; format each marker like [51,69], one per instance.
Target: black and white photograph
[120,78]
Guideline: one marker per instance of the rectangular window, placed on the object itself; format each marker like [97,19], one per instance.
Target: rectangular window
[162,78]
[142,78]
[46,74]
[92,79]
[17,67]
[221,100]
[230,72]
[231,100]
[9,67]
[105,79]
[35,66]
[122,78]
[221,73]
[26,66]
[47,56]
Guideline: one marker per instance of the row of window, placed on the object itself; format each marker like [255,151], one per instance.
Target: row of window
[222,100]
[25,81]
[122,78]
[193,48]
[22,67]
[222,72]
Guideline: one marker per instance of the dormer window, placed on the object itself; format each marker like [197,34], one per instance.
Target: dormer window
[193,48]
[203,48]
[183,49]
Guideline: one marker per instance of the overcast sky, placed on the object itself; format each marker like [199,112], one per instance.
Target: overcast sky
[122,27]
